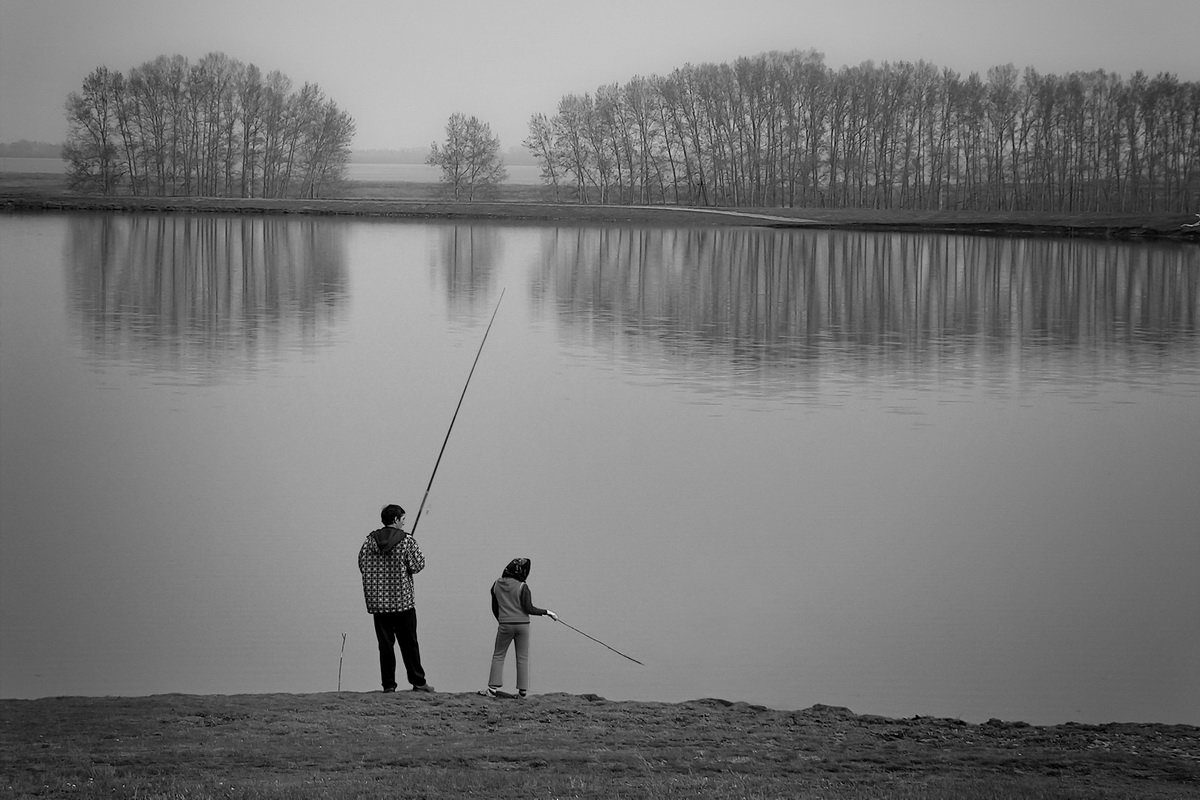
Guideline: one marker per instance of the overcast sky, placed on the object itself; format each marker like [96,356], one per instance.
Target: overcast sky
[402,67]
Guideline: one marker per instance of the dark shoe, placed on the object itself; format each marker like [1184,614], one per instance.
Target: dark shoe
[424,687]
[389,689]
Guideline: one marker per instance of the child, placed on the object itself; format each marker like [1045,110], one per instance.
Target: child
[512,605]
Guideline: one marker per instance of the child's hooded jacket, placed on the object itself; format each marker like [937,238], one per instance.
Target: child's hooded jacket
[512,602]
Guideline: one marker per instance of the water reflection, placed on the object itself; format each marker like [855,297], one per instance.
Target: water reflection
[204,296]
[784,305]
[469,257]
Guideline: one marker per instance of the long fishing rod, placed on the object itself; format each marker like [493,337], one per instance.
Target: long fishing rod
[597,641]
[455,417]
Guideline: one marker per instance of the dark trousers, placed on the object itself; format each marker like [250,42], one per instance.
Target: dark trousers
[398,627]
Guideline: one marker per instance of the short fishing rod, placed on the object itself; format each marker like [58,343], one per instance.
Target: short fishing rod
[597,641]
[455,417]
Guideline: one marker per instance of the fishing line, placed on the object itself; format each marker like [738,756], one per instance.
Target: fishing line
[455,417]
[597,641]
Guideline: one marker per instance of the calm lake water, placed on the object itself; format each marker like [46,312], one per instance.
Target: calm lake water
[906,474]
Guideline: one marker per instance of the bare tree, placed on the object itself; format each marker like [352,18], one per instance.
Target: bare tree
[93,162]
[325,148]
[545,150]
[469,158]
[575,116]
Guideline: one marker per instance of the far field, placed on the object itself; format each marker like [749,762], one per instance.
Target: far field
[43,191]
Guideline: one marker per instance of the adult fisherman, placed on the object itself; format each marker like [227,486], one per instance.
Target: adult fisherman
[388,559]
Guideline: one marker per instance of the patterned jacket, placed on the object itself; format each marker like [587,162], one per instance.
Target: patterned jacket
[387,560]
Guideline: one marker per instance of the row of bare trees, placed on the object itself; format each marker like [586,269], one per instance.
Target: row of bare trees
[783,129]
[215,128]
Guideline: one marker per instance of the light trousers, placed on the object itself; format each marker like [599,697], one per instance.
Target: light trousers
[516,634]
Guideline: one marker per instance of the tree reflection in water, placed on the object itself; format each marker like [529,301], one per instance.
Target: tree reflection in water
[204,296]
[792,306]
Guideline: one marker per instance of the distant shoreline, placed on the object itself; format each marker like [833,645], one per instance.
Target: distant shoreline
[30,192]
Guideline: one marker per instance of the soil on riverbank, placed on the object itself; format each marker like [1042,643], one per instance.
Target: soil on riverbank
[343,745]
[47,192]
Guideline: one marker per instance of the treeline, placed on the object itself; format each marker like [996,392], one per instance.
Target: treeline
[215,128]
[783,129]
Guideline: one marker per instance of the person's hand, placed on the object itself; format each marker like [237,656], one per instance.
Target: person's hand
[551,615]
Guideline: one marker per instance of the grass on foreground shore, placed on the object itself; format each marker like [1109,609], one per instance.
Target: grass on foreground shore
[371,745]
[514,202]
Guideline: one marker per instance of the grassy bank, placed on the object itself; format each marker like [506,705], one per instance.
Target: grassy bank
[516,203]
[357,745]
